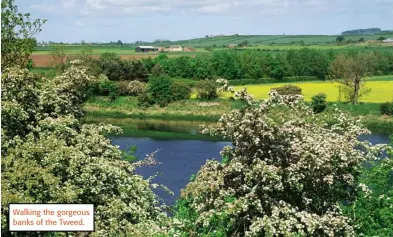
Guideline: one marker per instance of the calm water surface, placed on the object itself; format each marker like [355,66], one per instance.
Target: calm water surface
[182,158]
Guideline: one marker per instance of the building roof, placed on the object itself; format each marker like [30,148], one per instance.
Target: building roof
[146,47]
[387,40]
[232,45]
[174,46]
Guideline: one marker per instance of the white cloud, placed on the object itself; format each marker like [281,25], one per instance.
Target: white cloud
[42,7]
[68,3]
[230,7]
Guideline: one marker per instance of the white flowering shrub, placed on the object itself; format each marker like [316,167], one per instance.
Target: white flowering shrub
[285,175]
[48,156]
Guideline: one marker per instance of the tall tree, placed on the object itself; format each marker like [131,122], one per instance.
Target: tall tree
[17,30]
[350,70]
[59,57]
[340,39]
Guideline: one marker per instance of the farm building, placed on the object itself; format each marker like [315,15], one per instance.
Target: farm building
[189,49]
[388,41]
[232,46]
[175,48]
[161,49]
[145,49]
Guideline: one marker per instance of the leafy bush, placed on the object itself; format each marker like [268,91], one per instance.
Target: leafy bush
[145,99]
[180,91]
[318,103]
[111,66]
[106,87]
[133,88]
[117,69]
[207,89]
[288,90]
[135,70]
[160,89]
[157,70]
[387,108]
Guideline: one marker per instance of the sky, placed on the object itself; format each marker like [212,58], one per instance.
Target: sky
[148,20]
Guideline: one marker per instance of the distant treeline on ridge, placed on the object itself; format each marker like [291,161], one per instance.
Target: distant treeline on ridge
[369,31]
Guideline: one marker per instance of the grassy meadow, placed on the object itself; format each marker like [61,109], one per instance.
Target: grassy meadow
[381,90]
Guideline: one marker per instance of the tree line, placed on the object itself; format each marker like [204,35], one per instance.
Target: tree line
[234,65]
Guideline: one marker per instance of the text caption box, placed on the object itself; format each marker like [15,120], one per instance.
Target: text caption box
[51,217]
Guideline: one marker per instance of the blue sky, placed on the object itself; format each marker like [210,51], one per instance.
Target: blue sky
[148,20]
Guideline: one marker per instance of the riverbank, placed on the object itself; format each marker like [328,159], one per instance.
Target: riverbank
[124,112]
[188,110]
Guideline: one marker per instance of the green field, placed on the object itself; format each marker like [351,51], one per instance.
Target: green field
[381,89]
[262,42]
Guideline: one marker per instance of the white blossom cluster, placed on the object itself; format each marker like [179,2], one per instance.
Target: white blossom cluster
[224,85]
[49,156]
[287,169]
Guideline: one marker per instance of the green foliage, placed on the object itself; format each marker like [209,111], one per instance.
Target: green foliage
[135,70]
[318,103]
[278,67]
[17,30]
[386,108]
[307,62]
[381,38]
[203,67]
[180,91]
[107,87]
[145,99]
[288,90]
[207,89]
[133,88]
[130,155]
[244,43]
[227,64]
[219,224]
[148,63]
[160,89]
[340,39]
[157,70]
[372,210]
[116,69]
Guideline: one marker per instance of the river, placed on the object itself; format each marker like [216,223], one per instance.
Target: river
[180,158]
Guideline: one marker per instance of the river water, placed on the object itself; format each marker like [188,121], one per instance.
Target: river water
[182,158]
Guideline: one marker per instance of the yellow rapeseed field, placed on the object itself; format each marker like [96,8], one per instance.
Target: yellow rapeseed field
[381,91]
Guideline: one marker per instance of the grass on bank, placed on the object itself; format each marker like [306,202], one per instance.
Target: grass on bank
[100,108]
[192,109]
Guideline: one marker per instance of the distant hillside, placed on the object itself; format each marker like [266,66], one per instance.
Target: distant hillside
[369,31]
[221,41]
